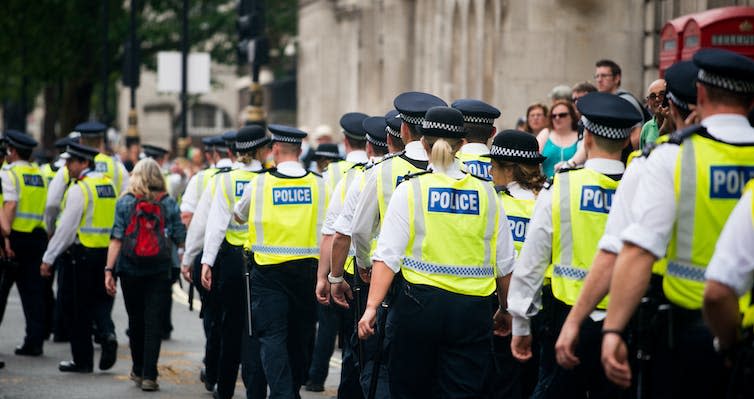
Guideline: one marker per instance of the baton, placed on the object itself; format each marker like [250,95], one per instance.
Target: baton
[247,283]
[381,322]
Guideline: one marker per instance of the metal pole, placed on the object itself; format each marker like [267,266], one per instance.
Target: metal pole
[132,114]
[184,69]
[105,59]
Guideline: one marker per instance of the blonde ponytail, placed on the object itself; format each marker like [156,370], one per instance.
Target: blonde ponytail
[442,151]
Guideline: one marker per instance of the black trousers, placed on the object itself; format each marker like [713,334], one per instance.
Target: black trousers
[440,344]
[227,282]
[252,371]
[211,318]
[29,248]
[145,301]
[86,297]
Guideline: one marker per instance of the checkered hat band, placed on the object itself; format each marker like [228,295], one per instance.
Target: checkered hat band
[245,145]
[738,86]
[676,101]
[221,148]
[613,133]
[414,120]
[478,119]
[510,152]
[442,126]
[286,139]
[392,132]
[327,154]
[375,141]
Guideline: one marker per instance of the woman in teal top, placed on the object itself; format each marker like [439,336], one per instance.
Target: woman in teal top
[561,141]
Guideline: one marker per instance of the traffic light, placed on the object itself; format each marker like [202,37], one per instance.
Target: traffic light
[253,46]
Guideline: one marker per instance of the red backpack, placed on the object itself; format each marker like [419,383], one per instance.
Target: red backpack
[145,239]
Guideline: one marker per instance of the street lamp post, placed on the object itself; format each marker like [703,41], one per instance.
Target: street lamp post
[253,50]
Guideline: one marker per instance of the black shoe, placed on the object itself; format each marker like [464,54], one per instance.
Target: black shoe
[109,353]
[314,387]
[2,364]
[70,366]
[166,336]
[60,338]
[28,350]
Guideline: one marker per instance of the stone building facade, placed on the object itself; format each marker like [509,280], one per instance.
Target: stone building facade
[358,54]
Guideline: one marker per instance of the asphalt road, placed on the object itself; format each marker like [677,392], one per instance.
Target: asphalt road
[179,364]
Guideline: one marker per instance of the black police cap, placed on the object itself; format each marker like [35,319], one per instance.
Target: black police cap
[375,126]
[208,142]
[444,122]
[725,69]
[286,134]
[680,79]
[393,119]
[20,140]
[413,106]
[251,137]
[352,125]
[608,115]
[516,146]
[153,151]
[91,128]
[475,111]
[81,151]
[328,150]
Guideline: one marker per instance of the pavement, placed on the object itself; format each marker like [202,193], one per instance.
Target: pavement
[179,363]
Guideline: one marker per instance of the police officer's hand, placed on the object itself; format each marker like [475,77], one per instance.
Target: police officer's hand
[501,323]
[366,324]
[186,273]
[322,291]
[110,284]
[615,360]
[365,274]
[340,292]
[8,250]
[45,270]
[521,347]
[206,277]
[565,347]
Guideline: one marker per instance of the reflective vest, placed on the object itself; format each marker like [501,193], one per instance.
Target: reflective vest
[637,153]
[748,318]
[204,179]
[519,212]
[47,172]
[106,165]
[235,183]
[285,217]
[709,178]
[475,164]
[335,171]
[581,200]
[99,211]
[31,187]
[355,175]
[453,227]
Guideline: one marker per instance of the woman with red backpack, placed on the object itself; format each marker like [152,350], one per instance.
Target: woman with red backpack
[147,224]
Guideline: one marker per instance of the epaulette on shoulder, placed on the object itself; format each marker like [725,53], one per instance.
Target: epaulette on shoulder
[315,173]
[648,148]
[371,165]
[502,189]
[393,155]
[547,184]
[223,170]
[360,165]
[415,174]
[679,136]
[568,169]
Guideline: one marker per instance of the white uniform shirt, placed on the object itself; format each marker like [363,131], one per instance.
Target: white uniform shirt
[525,290]
[654,206]
[620,216]
[195,234]
[394,235]
[733,263]
[474,149]
[192,193]
[519,192]
[288,168]
[220,217]
[343,222]
[10,192]
[66,233]
[357,156]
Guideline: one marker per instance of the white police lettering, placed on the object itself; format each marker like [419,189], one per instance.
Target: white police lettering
[291,195]
[450,200]
[596,199]
[727,182]
[518,227]
[240,187]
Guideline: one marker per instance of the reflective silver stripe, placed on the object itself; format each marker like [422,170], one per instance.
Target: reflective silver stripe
[492,214]
[566,234]
[322,207]
[25,215]
[18,183]
[419,225]
[200,184]
[686,203]
[473,271]
[95,230]
[238,227]
[228,189]
[258,208]
[296,251]
[569,272]
[89,211]
[231,197]
[685,272]
[388,183]
[117,175]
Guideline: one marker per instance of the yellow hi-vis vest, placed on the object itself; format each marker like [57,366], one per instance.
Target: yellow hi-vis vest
[285,217]
[452,241]
[47,172]
[335,171]
[476,165]
[581,200]
[748,317]
[355,175]
[32,195]
[106,165]
[519,212]
[99,211]
[234,183]
[709,178]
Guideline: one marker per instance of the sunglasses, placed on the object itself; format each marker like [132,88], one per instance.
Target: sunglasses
[655,96]
[560,115]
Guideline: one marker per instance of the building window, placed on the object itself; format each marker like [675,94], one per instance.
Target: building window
[203,115]
[205,119]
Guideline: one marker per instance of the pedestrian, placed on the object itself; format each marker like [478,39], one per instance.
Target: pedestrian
[144,278]
[325,154]
[682,203]
[536,118]
[447,233]
[657,104]
[479,118]
[24,191]
[561,141]
[286,210]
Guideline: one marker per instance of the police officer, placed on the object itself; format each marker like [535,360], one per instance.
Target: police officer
[564,231]
[691,186]
[431,233]
[198,182]
[729,276]
[517,174]
[24,190]
[84,228]
[325,154]
[355,143]
[479,118]
[286,210]
[223,261]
